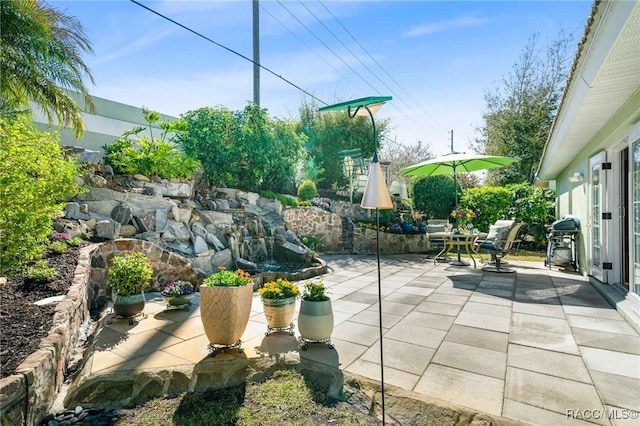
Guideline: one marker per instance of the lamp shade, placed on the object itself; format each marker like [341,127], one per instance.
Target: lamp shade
[376,194]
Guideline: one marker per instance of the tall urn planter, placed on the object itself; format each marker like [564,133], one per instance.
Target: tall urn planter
[315,319]
[225,307]
[129,275]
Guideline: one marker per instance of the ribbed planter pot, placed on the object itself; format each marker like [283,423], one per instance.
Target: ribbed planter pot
[224,312]
[315,320]
[279,314]
[127,306]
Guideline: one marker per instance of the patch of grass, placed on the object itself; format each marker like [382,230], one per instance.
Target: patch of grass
[286,398]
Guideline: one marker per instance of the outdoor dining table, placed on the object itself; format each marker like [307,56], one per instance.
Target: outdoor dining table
[459,241]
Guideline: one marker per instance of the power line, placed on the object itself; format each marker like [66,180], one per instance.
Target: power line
[382,68]
[229,50]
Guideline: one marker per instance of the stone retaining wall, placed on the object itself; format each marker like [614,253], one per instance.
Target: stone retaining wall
[318,223]
[27,396]
[364,242]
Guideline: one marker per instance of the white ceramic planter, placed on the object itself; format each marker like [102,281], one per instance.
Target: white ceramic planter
[315,320]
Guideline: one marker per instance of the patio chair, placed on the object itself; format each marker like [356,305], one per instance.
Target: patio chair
[502,238]
[436,243]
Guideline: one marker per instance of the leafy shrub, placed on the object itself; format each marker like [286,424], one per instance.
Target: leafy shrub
[154,157]
[40,272]
[130,274]
[305,204]
[433,195]
[307,190]
[309,241]
[314,292]
[58,247]
[35,179]
[226,278]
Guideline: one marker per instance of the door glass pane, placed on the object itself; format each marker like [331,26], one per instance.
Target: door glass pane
[595,213]
[636,216]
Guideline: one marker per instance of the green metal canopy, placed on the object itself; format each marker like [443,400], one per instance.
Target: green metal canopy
[356,103]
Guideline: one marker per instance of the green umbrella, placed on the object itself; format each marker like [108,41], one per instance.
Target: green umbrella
[457,162]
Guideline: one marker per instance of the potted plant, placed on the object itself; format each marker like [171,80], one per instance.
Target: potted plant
[279,303]
[225,306]
[315,319]
[178,294]
[129,275]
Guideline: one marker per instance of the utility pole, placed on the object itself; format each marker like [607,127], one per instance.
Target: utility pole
[451,140]
[256,52]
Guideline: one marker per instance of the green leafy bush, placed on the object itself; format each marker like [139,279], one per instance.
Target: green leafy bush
[307,190]
[35,178]
[226,278]
[433,195]
[490,203]
[310,242]
[314,292]
[40,272]
[130,274]
[58,247]
[154,156]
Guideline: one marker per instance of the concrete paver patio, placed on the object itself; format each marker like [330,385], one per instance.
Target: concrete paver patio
[540,346]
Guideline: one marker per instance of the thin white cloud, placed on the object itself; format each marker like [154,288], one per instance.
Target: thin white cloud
[137,46]
[438,27]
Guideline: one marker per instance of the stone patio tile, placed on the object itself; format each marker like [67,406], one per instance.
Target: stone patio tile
[584,298]
[340,317]
[542,309]
[439,308]
[102,361]
[424,283]
[394,377]
[348,307]
[360,297]
[423,336]
[619,363]
[400,356]
[542,332]
[497,284]
[372,317]
[479,338]
[373,289]
[602,324]
[548,362]
[347,352]
[491,300]
[409,299]
[619,391]
[473,359]
[611,341]
[622,416]
[354,332]
[447,298]
[462,387]
[539,416]
[547,296]
[423,319]
[551,393]
[142,344]
[196,349]
[446,289]
[483,321]
[187,329]
[155,360]
[589,311]
[394,308]
[483,308]
[498,292]
[418,291]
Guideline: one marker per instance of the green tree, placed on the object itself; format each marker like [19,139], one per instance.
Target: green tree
[433,195]
[519,115]
[40,57]
[329,133]
[243,149]
[35,178]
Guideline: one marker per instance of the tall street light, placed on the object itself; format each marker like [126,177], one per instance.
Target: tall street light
[376,195]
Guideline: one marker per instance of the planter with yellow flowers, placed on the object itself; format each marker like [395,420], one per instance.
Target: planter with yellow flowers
[279,303]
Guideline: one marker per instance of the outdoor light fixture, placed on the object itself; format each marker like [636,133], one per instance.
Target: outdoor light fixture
[576,177]
[376,195]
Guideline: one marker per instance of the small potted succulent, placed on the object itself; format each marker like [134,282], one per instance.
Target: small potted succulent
[178,293]
[315,319]
[225,306]
[279,303]
[129,275]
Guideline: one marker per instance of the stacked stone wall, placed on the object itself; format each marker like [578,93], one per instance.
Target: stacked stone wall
[318,223]
[364,242]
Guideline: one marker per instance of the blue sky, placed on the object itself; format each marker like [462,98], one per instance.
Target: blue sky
[436,58]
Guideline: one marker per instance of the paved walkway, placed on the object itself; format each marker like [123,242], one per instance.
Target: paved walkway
[540,346]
